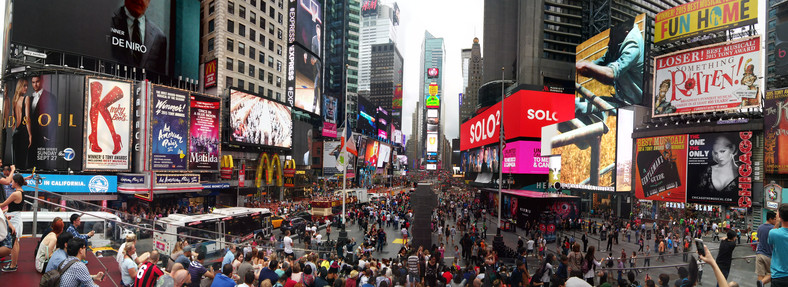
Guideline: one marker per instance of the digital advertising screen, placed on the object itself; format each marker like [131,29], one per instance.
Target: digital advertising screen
[432,142]
[306,24]
[524,157]
[107,32]
[722,168]
[775,125]
[576,156]
[365,120]
[307,83]
[383,122]
[661,168]
[371,153]
[622,50]
[432,113]
[329,116]
[484,160]
[169,128]
[396,101]
[384,156]
[330,153]
[108,139]
[402,159]
[302,142]
[258,121]
[204,139]
[626,120]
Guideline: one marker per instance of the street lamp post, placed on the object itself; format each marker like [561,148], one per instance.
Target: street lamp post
[500,150]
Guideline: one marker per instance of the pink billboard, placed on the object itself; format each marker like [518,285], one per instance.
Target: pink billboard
[523,157]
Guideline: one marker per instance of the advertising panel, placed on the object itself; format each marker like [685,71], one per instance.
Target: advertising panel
[258,121]
[396,102]
[73,183]
[55,124]
[525,113]
[781,49]
[626,120]
[365,120]
[204,140]
[302,143]
[108,140]
[329,116]
[576,155]
[431,166]
[775,123]
[210,73]
[397,136]
[484,159]
[384,120]
[432,142]
[432,113]
[524,157]
[369,7]
[432,73]
[384,156]
[403,160]
[620,52]
[307,82]
[711,78]
[169,128]
[305,24]
[371,153]
[395,21]
[330,153]
[702,17]
[661,170]
[722,168]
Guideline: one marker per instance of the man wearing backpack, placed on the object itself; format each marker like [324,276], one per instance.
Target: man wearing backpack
[72,272]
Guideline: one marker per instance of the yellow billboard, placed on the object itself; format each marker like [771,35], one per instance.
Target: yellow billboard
[703,16]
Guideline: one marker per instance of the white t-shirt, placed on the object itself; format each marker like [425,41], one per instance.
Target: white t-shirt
[288,244]
[530,244]
[318,238]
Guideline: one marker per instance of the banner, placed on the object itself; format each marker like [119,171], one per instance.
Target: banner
[329,116]
[711,78]
[258,121]
[204,140]
[661,172]
[73,183]
[209,79]
[169,128]
[775,125]
[330,153]
[524,157]
[396,102]
[626,120]
[107,125]
[702,17]
[721,168]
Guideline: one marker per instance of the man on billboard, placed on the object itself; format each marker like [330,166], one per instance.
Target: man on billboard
[621,66]
[43,109]
[136,40]
[307,154]
[316,39]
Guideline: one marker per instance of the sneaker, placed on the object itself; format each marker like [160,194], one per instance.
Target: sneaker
[5,260]
[9,269]
[759,283]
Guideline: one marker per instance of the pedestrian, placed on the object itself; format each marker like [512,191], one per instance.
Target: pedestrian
[724,257]
[778,241]
[74,271]
[763,252]
[15,204]
[647,257]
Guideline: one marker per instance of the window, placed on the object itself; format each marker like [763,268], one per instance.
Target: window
[251,86]
[261,57]
[280,18]
[252,17]
[251,72]
[261,74]
[270,78]
[262,23]
[252,35]
[241,83]
[229,82]
[278,96]
[231,7]
[270,44]
[278,82]
[271,12]
[229,65]
[262,6]
[279,50]
[241,48]
[241,11]
[230,45]
[279,34]
[270,93]
[251,52]
[280,4]
[253,3]
[210,44]
[260,89]
[241,66]
[211,8]
[230,26]
[271,28]
[242,30]
[211,26]
[270,61]
[278,66]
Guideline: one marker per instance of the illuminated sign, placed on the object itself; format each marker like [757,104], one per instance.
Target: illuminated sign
[432,73]
[432,142]
[433,89]
[703,16]
[210,74]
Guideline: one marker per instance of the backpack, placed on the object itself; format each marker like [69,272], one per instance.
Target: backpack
[52,278]
[586,266]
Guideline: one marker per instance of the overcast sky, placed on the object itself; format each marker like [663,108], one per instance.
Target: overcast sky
[457,22]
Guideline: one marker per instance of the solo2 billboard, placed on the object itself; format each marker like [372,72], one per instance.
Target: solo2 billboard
[107,141]
[701,17]
[525,113]
[711,78]
[204,140]
[169,128]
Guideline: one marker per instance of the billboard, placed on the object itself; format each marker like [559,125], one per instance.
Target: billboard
[403,160]
[702,17]
[383,123]
[330,153]
[396,136]
[710,78]
[484,160]
[432,142]
[371,153]
[204,127]
[305,19]
[108,140]
[619,52]
[258,121]
[302,143]
[524,157]
[306,84]
[626,121]
[369,7]
[432,113]
[661,168]
[329,116]
[365,120]
[722,168]
[209,79]
[576,155]
[169,128]
[72,183]
[395,20]
[775,123]
[107,32]
[432,73]
[55,125]
[384,155]
[781,49]
[525,113]
[396,102]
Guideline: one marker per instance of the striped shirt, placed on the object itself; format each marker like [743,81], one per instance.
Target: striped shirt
[147,275]
[77,275]
[413,264]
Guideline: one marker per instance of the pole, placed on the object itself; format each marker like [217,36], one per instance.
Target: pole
[37,179]
[500,150]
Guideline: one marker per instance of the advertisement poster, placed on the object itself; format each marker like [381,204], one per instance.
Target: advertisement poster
[721,168]
[524,157]
[169,128]
[433,101]
[396,102]
[329,116]
[384,155]
[661,170]
[210,73]
[620,50]
[626,120]
[711,78]
[371,153]
[330,153]
[55,126]
[306,24]
[307,82]
[302,143]
[432,142]
[204,140]
[576,158]
[775,124]
[258,121]
[703,17]
[72,183]
[107,125]
[366,117]
[383,123]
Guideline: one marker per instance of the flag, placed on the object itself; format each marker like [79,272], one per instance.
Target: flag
[348,144]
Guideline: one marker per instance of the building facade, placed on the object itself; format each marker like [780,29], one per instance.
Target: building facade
[433,53]
[379,25]
[472,76]
[343,18]
[385,75]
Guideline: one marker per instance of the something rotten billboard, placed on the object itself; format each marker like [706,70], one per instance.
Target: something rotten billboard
[204,132]
[711,78]
[107,125]
[702,17]
[661,168]
[170,128]
[722,168]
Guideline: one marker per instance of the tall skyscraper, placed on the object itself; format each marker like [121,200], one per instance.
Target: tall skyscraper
[247,41]
[343,18]
[379,25]
[433,54]
[470,96]
[385,75]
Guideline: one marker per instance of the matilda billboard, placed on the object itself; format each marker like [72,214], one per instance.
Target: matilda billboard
[204,130]
[711,78]
[703,16]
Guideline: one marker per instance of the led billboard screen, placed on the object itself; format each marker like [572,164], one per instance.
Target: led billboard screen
[306,24]
[329,116]
[365,120]
[703,17]
[384,155]
[524,157]
[258,121]
[371,153]
[383,123]
[432,142]
[306,84]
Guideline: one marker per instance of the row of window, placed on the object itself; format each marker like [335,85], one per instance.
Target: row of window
[252,50]
[240,83]
[241,68]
